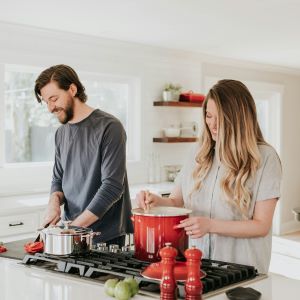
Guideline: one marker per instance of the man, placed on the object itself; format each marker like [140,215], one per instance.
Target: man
[89,173]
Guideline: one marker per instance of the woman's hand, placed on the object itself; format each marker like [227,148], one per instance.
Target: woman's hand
[196,227]
[146,200]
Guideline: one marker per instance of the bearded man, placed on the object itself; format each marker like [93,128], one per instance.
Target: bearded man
[89,173]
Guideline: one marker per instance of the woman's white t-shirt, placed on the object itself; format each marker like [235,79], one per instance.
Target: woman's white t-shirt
[209,201]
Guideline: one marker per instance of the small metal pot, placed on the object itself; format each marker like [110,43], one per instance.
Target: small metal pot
[67,240]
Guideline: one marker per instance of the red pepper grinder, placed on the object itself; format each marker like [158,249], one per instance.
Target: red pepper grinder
[168,286]
[193,285]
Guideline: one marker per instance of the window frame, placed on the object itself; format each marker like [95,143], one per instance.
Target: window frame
[35,177]
[133,108]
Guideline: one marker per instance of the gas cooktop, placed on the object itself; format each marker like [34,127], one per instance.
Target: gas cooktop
[102,265]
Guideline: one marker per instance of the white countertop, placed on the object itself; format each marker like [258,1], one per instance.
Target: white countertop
[21,282]
[274,287]
[28,203]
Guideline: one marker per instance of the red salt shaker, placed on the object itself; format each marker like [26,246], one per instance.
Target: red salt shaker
[168,286]
[193,286]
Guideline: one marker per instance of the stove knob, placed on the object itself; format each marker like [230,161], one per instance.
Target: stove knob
[103,249]
[101,245]
[113,247]
[115,250]
[125,248]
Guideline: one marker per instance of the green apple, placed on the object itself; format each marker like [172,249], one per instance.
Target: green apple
[109,286]
[122,291]
[134,286]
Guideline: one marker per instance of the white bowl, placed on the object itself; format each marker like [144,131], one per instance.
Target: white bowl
[172,132]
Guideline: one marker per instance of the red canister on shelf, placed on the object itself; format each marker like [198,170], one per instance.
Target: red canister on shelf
[193,285]
[168,286]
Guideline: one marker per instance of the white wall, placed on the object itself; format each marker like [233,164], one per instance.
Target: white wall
[152,67]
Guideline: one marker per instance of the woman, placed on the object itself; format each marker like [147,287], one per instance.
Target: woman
[231,182]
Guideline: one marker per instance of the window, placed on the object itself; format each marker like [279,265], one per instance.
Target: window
[268,106]
[30,128]
[117,96]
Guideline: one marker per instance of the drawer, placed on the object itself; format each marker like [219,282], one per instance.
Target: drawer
[18,224]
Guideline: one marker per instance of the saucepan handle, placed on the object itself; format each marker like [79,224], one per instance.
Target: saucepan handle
[38,238]
[95,233]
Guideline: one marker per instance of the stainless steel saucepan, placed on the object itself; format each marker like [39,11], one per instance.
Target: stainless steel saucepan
[67,240]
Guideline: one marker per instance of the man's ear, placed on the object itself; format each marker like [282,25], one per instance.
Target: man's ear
[73,89]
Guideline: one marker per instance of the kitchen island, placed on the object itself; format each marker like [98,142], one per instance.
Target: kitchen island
[29,283]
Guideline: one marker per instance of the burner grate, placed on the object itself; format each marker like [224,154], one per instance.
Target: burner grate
[100,266]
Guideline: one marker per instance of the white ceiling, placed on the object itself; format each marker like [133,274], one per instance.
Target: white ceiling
[265,31]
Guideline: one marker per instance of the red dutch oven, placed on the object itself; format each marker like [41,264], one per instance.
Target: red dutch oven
[155,227]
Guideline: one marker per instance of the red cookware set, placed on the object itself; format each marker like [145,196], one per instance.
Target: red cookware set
[155,227]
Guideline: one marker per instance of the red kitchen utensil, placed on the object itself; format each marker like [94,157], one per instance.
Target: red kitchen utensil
[168,285]
[154,271]
[156,227]
[193,286]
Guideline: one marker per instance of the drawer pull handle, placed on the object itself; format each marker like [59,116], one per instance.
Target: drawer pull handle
[16,224]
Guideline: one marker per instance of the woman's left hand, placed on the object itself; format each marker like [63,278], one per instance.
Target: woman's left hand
[195,227]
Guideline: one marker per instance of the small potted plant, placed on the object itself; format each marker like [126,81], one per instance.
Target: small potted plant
[171,92]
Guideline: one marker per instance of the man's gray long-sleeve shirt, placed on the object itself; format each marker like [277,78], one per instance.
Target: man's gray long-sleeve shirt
[90,169]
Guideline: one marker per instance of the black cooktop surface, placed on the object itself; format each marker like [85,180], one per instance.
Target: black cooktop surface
[103,265]
[99,266]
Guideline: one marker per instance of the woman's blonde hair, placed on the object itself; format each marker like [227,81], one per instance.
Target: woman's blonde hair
[237,143]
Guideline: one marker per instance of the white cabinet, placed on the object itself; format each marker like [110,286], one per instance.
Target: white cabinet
[21,216]
[19,224]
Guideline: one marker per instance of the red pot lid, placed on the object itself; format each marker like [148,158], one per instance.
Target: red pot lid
[162,211]
[154,271]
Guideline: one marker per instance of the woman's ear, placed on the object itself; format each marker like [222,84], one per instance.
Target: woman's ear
[73,89]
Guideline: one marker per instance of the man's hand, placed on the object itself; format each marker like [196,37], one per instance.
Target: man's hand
[53,212]
[85,219]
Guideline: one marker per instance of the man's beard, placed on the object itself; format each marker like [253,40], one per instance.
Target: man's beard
[66,114]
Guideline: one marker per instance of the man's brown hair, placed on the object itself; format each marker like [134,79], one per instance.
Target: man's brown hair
[64,76]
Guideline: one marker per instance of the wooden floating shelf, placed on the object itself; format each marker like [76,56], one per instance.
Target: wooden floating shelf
[177,104]
[175,140]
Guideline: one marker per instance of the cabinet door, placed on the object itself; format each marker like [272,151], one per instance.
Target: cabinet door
[18,224]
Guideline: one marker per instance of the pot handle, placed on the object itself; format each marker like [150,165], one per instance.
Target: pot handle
[66,224]
[39,230]
[95,233]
